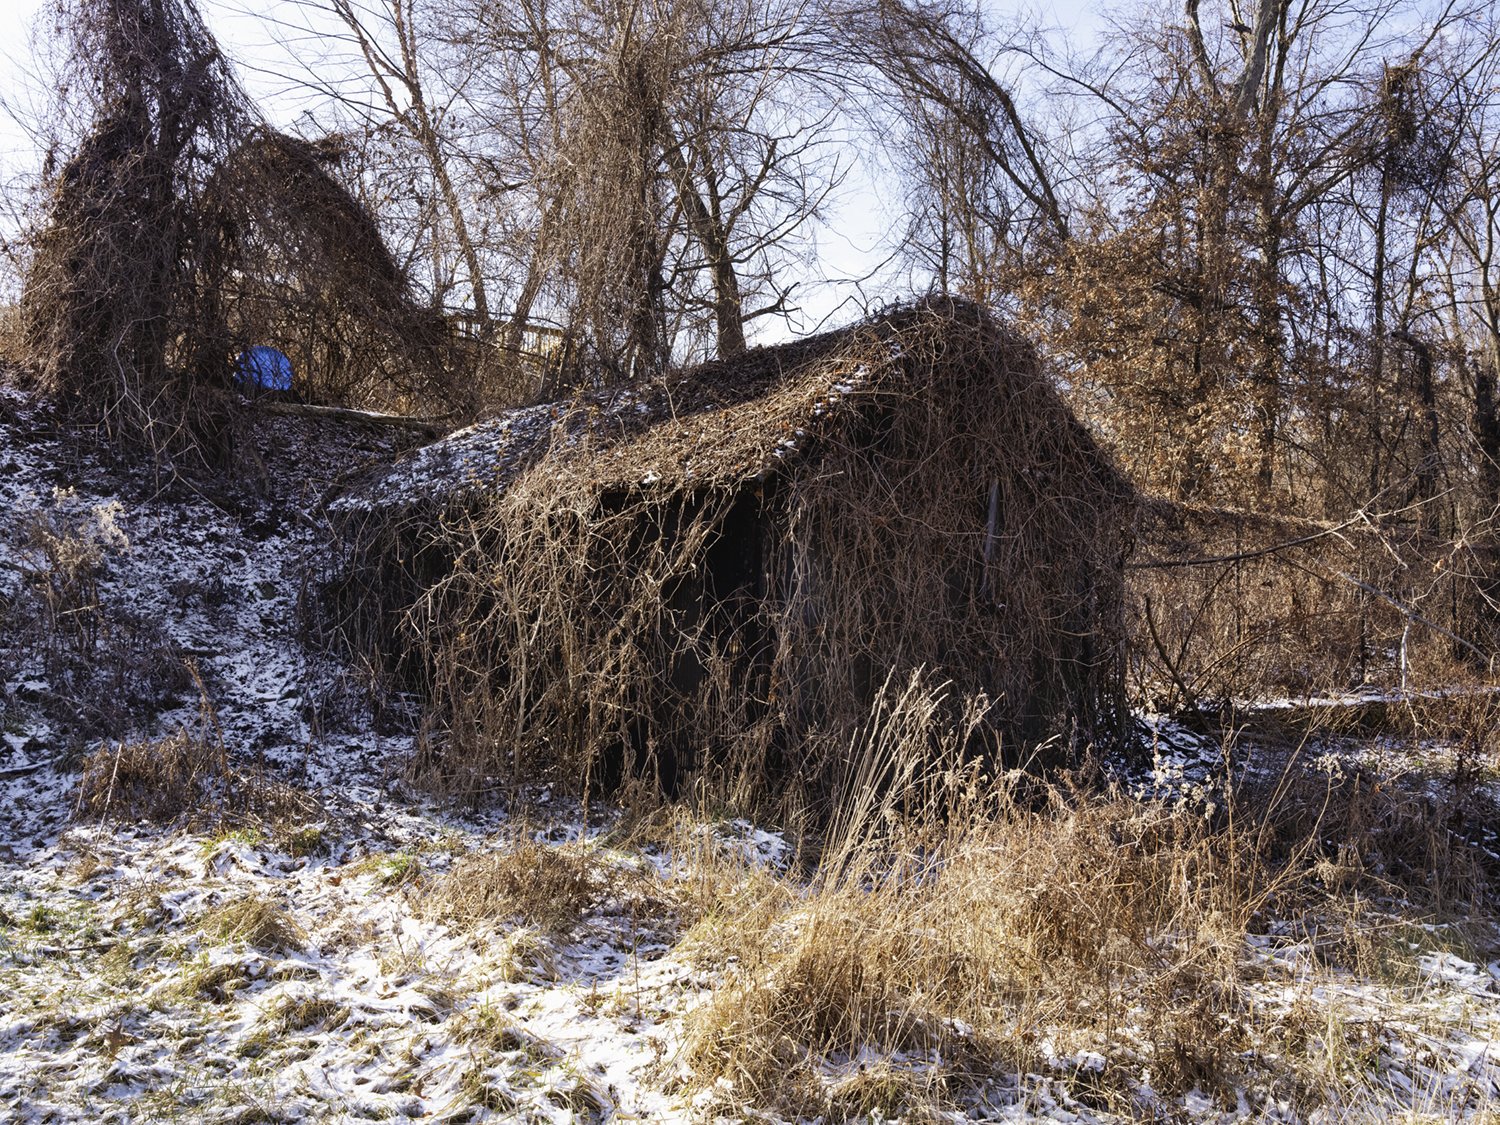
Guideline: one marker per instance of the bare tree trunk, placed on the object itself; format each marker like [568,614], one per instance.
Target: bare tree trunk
[1268,328]
[418,122]
[1377,334]
[704,220]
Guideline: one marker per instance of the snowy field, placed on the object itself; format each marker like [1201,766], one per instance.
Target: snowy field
[324,964]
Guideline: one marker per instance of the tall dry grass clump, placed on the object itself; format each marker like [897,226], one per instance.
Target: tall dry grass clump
[961,927]
[186,777]
[154,779]
[537,884]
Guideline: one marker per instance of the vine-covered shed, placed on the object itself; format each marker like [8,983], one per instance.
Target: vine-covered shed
[720,571]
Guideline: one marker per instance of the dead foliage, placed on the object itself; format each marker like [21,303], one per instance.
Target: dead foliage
[257,921]
[69,558]
[297,259]
[538,884]
[180,229]
[185,777]
[155,779]
[304,1013]
[1028,926]
[110,296]
[713,576]
[1227,604]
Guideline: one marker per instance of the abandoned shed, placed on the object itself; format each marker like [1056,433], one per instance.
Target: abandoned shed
[718,572]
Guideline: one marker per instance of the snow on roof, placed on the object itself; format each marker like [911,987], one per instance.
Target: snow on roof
[732,420]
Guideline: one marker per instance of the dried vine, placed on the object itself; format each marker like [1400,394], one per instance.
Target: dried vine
[180,229]
[714,578]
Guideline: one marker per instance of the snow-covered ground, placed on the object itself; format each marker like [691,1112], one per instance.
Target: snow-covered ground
[308,970]
[127,996]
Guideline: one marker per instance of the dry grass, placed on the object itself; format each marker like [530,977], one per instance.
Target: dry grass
[1028,923]
[1112,920]
[537,884]
[215,982]
[188,777]
[525,954]
[396,869]
[306,1013]
[491,1031]
[154,779]
[256,921]
[723,903]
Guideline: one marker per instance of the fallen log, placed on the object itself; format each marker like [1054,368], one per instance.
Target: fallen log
[432,427]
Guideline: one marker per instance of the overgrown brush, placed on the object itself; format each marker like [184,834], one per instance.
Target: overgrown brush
[979,926]
[69,559]
[256,921]
[705,582]
[180,230]
[1460,713]
[297,259]
[110,295]
[1244,605]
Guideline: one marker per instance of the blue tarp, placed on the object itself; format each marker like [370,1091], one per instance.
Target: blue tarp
[264,367]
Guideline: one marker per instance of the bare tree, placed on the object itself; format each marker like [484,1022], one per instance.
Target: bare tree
[413,112]
[409,87]
[1471,273]
[926,57]
[662,158]
[1223,229]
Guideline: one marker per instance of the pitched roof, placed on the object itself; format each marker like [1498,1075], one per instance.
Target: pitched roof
[733,419]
